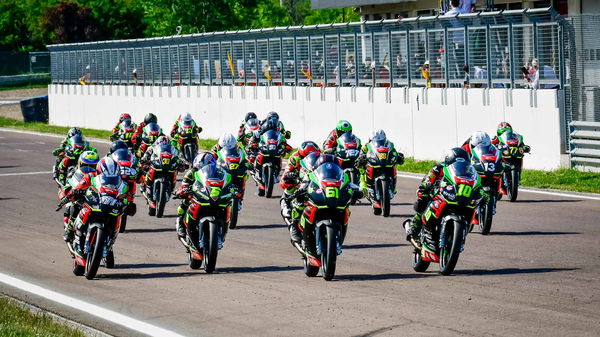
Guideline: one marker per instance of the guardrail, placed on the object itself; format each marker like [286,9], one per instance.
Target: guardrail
[585,145]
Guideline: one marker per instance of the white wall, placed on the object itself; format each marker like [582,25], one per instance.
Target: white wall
[423,123]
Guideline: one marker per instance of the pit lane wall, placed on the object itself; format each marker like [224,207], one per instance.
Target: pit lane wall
[422,122]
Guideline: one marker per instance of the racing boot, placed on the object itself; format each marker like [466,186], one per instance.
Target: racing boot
[286,209]
[179,226]
[412,227]
[295,233]
[428,247]
[69,231]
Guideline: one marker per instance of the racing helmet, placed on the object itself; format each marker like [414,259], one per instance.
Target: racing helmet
[455,154]
[480,138]
[122,157]
[88,158]
[117,144]
[108,167]
[73,131]
[342,127]
[202,159]
[308,147]
[124,116]
[272,114]
[227,141]
[503,127]
[378,135]
[150,118]
[250,115]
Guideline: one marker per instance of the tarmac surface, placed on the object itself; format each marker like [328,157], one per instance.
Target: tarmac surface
[536,274]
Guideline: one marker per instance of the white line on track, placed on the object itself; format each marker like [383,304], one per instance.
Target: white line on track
[23,173]
[92,309]
[409,176]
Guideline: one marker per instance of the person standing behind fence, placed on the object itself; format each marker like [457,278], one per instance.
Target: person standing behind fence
[532,75]
[467,80]
[426,73]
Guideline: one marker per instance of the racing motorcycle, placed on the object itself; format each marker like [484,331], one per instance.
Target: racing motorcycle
[149,135]
[104,202]
[487,161]
[234,162]
[129,173]
[328,194]
[348,150]
[72,207]
[187,140]
[207,216]
[513,150]
[381,168]
[459,192]
[125,132]
[75,147]
[251,126]
[270,150]
[163,166]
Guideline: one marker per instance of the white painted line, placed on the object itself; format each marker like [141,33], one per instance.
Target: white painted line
[23,173]
[92,309]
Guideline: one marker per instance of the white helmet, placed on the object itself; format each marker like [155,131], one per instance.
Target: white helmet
[378,135]
[227,141]
[186,117]
[480,138]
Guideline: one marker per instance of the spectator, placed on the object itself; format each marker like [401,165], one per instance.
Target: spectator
[467,6]
[455,8]
[426,73]
[467,80]
[532,75]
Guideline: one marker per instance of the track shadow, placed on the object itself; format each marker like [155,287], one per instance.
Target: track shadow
[379,277]
[8,166]
[264,269]
[373,245]
[401,216]
[169,216]
[8,199]
[533,233]
[547,200]
[139,276]
[150,230]
[262,226]
[511,271]
[366,203]
[148,265]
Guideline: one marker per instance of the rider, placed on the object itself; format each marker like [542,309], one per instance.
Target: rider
[185,121]
[242,136]
[476,139]
[506,127]
[149,135]
[86,165]
[229,142]
[61,171]
[428,184]
[146,158]
[366,182]
[137,136]
[129,173]
[59,151]
[115,129]
[202,159]
[290,181]
[330,143]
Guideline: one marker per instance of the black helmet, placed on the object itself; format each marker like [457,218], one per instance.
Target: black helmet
[72,132]
[117,144]
[272,114]
[456,154]
[250,115]
[150,118]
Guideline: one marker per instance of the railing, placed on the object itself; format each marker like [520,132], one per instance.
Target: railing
[494,45]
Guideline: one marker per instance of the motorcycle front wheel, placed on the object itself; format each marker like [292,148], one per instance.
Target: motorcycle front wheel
[513,189]
[98,239]
[486,216]
[329,255]
[449,254]
[234,213]
[211,246]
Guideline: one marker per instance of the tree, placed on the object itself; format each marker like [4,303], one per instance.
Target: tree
[68,22]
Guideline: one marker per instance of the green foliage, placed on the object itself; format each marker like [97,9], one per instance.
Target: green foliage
[16,321]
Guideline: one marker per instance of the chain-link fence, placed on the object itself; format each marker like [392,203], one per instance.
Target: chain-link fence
[490,49]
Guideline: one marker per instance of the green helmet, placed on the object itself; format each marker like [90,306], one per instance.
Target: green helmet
[88,158]
[342,127]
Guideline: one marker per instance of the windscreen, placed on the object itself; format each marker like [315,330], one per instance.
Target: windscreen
[329,171]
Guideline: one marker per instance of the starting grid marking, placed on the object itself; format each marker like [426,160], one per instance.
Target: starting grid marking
[89,308]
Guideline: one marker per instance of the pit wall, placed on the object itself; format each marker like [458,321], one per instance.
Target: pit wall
[422,122]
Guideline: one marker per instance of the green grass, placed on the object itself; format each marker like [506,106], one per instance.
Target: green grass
[562,179]
[16,321]
[28,86]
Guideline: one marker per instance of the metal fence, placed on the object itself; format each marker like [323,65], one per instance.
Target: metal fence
[494,45]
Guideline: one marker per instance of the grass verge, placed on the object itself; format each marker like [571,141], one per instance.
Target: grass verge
[562,179]
[18,321]
[28,86]
[62,130]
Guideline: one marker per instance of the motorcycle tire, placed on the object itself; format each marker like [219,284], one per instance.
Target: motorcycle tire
[233,219]
[513,189]
[123,223]
[385,198]
[162,200]
[486,216]
[96,251]
[151,211]
[449,256]
[211,246]
[418,264]
[269,181]
[329,255]
[194,264]
[310,271]
[109,260]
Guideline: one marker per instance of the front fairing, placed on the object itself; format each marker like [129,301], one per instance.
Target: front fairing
[212,187]
[460,185]
[379,154]
[511,145]
[233,160]
[327,190]
[271,143]
[164,158]
[106,197]
[487,161]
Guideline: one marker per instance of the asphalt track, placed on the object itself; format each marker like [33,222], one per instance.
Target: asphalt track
[537,274]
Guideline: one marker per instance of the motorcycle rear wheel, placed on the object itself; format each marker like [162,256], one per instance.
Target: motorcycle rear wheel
[310,271]
[418,264]
[123,223]
[194,264]
[109,260]
[77,269]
